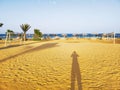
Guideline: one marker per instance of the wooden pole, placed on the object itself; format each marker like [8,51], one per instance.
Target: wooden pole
[6,39]
[114,38]
[9,37]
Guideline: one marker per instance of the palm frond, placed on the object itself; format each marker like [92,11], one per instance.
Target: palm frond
[1,24]
[25,27]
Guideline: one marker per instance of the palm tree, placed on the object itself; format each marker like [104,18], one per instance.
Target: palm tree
[1,24]
[25,28]
[37,34]
[9,33]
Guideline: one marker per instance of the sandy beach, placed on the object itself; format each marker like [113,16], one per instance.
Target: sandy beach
[60,65]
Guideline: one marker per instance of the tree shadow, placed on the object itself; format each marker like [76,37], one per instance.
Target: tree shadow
[11,46]
[17,45]
[75,72]
[41,47]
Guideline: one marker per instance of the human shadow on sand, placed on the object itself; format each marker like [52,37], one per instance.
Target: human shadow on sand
[75,72]
[32,49]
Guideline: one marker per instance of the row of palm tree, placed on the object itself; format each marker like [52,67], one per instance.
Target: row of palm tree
[24,27]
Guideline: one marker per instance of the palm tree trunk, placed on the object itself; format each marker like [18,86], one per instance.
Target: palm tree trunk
[24,36]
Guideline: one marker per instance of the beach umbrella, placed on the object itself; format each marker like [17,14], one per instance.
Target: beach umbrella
[74,35]
[95,35]
[104,35]
[77,35]
[84,34]
[64,35]
[107,35]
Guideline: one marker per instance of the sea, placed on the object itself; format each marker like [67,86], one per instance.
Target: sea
[69,35]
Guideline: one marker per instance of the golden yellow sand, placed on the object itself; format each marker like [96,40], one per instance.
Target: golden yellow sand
[49,66]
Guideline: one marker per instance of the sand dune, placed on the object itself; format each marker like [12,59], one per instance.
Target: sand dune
[49,66]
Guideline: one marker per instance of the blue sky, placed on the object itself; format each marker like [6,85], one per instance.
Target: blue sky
[61,16]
